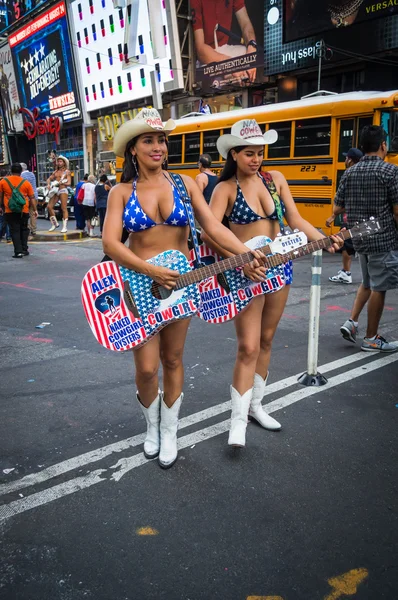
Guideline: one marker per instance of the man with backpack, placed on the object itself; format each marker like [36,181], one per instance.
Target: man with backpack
[16,198]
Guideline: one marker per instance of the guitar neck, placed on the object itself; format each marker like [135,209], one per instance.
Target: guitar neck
[218,267]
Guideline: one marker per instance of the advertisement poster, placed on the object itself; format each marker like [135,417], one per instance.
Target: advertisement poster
[116,50]
[3,143]
[12,10]
[9,91]
[229,43]
[294,30]
[304,18]
[43,65]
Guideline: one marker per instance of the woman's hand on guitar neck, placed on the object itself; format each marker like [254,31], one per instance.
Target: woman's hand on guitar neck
[337,243]
[163,276]
[254,271]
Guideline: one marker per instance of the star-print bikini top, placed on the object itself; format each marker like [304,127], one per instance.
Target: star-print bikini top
[242,214]
[135,219]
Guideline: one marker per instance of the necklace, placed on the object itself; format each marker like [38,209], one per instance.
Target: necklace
[340,13]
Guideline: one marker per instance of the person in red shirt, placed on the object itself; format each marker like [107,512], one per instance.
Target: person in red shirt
[213,46]
[18,222]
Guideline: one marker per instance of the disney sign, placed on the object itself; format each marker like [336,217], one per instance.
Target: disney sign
[34,126]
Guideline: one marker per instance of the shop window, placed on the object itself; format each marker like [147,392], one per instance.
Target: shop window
[209,143]
[281,148]
[192,147]
[175,149]
[345,138]
[312,137]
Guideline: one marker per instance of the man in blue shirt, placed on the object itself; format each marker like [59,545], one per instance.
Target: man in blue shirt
[29,176]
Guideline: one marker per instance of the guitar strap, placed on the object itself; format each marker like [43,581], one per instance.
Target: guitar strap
[270,185]
[182,190]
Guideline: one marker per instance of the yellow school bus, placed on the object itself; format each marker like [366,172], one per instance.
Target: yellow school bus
[313,136]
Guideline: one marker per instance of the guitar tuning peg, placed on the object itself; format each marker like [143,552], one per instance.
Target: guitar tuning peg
[371,219]
[296,230]
[279,234]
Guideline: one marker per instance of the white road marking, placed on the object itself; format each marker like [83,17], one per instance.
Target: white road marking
[127,464]
[97,455]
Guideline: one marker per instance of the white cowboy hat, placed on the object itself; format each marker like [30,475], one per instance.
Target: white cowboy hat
[245,133]
[66,161]
[147,121]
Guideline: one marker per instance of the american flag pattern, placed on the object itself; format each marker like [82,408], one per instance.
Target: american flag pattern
[242,290]
[124,331]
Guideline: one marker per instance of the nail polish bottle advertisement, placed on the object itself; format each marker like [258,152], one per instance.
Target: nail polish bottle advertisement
[94,32]
[79,9]
[142,75]
[102,24]
[157,69]
[88,65]
[103,3]
[171,69]
[119,84]
[120,50]
[165,35]
[94,92]
[87,96]
[130,85]
[86,35]
[111,24]
[129,13]
[141,44]
[121,18]
[79,42]
[102,90]
[91,5]
[110,84]
[126,53]
[99,61]
[110,56]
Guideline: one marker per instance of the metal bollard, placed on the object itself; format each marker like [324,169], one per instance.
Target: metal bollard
[311,376]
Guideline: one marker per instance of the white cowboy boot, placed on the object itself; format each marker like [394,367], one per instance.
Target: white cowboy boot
[54,223]
[152,417]
[168,432]
[64,226]
[256,410]
[240,409]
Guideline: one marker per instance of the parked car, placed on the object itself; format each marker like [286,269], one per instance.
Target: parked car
[42,203]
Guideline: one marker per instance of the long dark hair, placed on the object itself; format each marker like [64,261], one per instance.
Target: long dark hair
[131,169]
[230,166]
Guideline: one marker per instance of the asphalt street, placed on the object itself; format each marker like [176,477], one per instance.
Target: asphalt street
[308,513]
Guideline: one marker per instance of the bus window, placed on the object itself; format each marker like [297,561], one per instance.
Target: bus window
[175,149]
[281,148]
[209,144]
[389,122]
[362,122]
[312,137]
[192,147]
[346,138]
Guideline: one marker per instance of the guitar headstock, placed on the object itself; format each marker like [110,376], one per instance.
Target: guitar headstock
[283,244]
[365,228]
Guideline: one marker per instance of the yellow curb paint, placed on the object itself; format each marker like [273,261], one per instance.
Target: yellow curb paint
[147,531]
[346,584]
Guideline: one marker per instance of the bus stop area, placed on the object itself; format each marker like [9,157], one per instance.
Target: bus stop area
[307,513]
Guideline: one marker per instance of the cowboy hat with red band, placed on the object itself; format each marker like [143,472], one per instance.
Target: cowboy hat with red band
[245,133]
[147,121]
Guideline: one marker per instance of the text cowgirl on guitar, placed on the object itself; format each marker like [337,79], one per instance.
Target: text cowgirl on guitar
[149,205]
[255,204]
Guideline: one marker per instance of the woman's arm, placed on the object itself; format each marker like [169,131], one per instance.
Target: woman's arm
[293,217]
[113,247]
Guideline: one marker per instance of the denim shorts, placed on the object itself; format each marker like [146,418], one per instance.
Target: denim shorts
[380,271]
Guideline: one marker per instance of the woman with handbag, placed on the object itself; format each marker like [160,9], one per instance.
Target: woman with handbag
[150,205]
[89,204]
[255,204]
[78,200]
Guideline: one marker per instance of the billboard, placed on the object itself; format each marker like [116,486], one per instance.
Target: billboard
[11,11]
[43,65]
[229,43]
[9,91]
[117,49]
[294,29]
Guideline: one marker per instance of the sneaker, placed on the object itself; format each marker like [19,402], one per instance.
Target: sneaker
[9,241]
[378,344]
[341,277]
[349,331]
[25,252]
[20,255]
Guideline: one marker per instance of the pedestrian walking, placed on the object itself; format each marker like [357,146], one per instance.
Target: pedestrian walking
[88,203]
[152,209]
[101,198]
[79,216]
[206,179]
[370,189]
[255,204]
[353,156]
[29,176]
[4,227]
[16,199]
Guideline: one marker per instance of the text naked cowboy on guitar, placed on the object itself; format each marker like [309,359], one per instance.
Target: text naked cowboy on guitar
[126,309]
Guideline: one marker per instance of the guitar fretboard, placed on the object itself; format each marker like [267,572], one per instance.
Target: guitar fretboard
[242,259]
